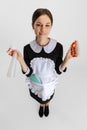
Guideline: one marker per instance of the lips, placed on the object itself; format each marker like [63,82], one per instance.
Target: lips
[42,34]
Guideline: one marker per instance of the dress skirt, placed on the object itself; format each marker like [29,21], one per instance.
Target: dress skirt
[39,99]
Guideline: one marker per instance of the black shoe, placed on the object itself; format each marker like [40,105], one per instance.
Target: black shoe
[46,111]
[41,111]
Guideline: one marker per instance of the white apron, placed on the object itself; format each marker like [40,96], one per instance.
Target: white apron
[45,78]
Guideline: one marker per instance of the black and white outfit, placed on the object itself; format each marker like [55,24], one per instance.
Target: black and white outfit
[44,64]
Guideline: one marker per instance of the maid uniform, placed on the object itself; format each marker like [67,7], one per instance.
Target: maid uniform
[44,65]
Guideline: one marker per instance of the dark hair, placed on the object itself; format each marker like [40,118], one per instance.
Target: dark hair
[41,11]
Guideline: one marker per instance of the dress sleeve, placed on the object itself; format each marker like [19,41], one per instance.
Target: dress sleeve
[27,60]
[59,59]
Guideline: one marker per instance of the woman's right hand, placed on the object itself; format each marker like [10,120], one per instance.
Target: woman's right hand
[11,52]
[20,58]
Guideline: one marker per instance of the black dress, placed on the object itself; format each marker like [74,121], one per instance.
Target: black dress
[44,64]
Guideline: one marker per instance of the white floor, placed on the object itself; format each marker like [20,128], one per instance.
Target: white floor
[68,109]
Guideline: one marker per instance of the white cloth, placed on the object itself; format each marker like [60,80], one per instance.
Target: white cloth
[45,69]
[48,48]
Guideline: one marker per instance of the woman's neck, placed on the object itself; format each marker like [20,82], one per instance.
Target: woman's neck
[43,41]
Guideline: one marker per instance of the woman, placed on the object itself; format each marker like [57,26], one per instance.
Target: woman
[43,60]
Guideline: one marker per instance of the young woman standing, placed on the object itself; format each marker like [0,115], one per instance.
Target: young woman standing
[42,60]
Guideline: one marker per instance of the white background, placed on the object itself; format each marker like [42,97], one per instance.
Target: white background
[68,109]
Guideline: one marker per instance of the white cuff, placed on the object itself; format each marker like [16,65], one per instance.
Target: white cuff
[60,69]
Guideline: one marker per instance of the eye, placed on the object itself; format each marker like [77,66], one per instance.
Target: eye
[38,25]
[48,25]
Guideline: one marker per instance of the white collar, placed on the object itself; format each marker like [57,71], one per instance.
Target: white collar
[48,48]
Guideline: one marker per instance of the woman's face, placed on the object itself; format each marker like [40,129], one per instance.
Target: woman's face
[42,26]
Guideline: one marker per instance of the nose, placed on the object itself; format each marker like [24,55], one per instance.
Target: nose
[42,28]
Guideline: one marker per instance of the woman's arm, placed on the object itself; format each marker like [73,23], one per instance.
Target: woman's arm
[72,52]
[20,58]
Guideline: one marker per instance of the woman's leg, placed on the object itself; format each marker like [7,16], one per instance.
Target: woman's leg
[41,110]
[46,111]
[42,105]
[47,104]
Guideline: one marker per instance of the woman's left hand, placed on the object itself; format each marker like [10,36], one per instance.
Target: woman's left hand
[73,50]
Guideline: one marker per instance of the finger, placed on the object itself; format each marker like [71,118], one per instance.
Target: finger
[11,52]
[8,49]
